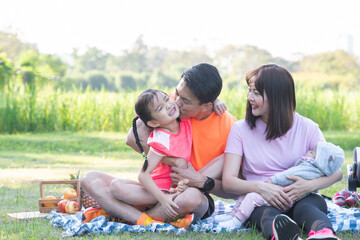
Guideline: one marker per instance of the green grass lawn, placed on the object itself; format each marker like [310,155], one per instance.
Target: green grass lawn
[26,159]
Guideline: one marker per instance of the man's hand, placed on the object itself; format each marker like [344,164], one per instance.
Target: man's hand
[219,107]
[195,179]
[298,189]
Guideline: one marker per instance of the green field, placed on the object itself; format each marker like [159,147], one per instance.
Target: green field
[50,110]
[26,159]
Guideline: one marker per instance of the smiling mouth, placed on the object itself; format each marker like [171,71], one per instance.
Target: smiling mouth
[172,111]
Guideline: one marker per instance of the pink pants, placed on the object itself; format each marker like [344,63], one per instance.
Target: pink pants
[246,204]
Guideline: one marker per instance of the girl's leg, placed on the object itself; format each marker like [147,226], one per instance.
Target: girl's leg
[262,218]
[311,212]
[189,201]
[131,192]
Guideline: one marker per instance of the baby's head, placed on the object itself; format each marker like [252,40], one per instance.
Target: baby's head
[329,157]
[312,153]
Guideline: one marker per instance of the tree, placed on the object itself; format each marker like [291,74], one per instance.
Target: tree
[92,59]
[338,62]
[11,46]
[6,71]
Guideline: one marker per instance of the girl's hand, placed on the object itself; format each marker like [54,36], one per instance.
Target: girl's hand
[274,195]
[219,107]
[169,205]
[298,189]
[182,185]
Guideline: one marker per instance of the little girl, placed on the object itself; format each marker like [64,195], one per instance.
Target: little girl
[170,137]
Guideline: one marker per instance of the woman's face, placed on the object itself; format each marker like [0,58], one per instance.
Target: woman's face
[259,105]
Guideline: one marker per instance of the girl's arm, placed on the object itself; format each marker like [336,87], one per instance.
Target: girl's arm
[219,107]
[273,194]
[175,162]
[148,183]
[302,187]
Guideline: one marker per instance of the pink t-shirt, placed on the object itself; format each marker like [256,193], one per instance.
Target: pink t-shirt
[165,143]
[261,158]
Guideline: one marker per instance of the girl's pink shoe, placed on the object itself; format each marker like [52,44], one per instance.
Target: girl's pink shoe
[340,197]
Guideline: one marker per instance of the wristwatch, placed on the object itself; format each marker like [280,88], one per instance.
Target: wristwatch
[208,186]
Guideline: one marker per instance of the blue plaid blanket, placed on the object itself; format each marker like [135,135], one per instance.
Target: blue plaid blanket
[342,219]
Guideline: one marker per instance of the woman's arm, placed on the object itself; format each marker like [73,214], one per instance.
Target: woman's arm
[273,194]
[148,183]
[143,133]
[302,187]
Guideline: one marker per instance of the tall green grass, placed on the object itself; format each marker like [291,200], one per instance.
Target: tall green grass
[49,110]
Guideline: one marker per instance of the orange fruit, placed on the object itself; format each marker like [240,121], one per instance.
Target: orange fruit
[49,204]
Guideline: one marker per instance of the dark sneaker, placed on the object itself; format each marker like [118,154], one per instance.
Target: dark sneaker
[284,228]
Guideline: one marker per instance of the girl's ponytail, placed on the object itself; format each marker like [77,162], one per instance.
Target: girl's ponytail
[138,143]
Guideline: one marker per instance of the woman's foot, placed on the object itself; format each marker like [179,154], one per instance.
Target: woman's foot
[284,228]
[323,234]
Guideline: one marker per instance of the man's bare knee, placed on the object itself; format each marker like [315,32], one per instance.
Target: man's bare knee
[190,200]
[117,188]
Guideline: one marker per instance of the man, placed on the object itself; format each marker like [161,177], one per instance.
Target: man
[195,94]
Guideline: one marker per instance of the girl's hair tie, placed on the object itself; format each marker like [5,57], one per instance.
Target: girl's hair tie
[137,115]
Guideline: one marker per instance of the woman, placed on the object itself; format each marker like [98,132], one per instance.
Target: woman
[269,140]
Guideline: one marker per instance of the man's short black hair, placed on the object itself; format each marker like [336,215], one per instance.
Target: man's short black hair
[204,81]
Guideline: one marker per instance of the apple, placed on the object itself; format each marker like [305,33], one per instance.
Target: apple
[70,193]
[72,207]
[62,205]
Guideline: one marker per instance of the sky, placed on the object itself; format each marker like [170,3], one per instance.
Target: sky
[285,28]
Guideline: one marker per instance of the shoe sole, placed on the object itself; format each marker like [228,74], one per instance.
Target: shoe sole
[284,228]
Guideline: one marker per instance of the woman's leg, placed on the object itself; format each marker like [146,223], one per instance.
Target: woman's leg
[262,218]
[310,212]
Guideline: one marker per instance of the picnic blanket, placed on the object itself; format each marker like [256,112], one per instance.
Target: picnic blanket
[342,219]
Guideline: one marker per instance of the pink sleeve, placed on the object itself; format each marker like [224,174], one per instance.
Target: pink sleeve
[234,142]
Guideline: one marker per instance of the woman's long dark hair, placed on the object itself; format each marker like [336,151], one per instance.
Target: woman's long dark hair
[279,87]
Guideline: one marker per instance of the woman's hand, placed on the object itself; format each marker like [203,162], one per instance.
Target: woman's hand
[274,195]
[298,189]
[169,205]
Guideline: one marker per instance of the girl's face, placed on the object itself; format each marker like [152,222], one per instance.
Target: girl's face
[259,104]
[163,110]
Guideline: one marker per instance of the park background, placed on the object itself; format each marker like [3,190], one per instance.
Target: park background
[61,112]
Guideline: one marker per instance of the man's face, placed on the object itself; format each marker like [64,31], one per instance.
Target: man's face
[187,101]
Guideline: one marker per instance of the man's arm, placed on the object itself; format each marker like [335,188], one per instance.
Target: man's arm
[143,133]
[197,179]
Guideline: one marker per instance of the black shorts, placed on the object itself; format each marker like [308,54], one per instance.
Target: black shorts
[211,208]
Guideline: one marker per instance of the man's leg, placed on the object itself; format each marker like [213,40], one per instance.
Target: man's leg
[131,192]
[97,185]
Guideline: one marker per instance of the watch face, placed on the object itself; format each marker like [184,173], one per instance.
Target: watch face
[209,184]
